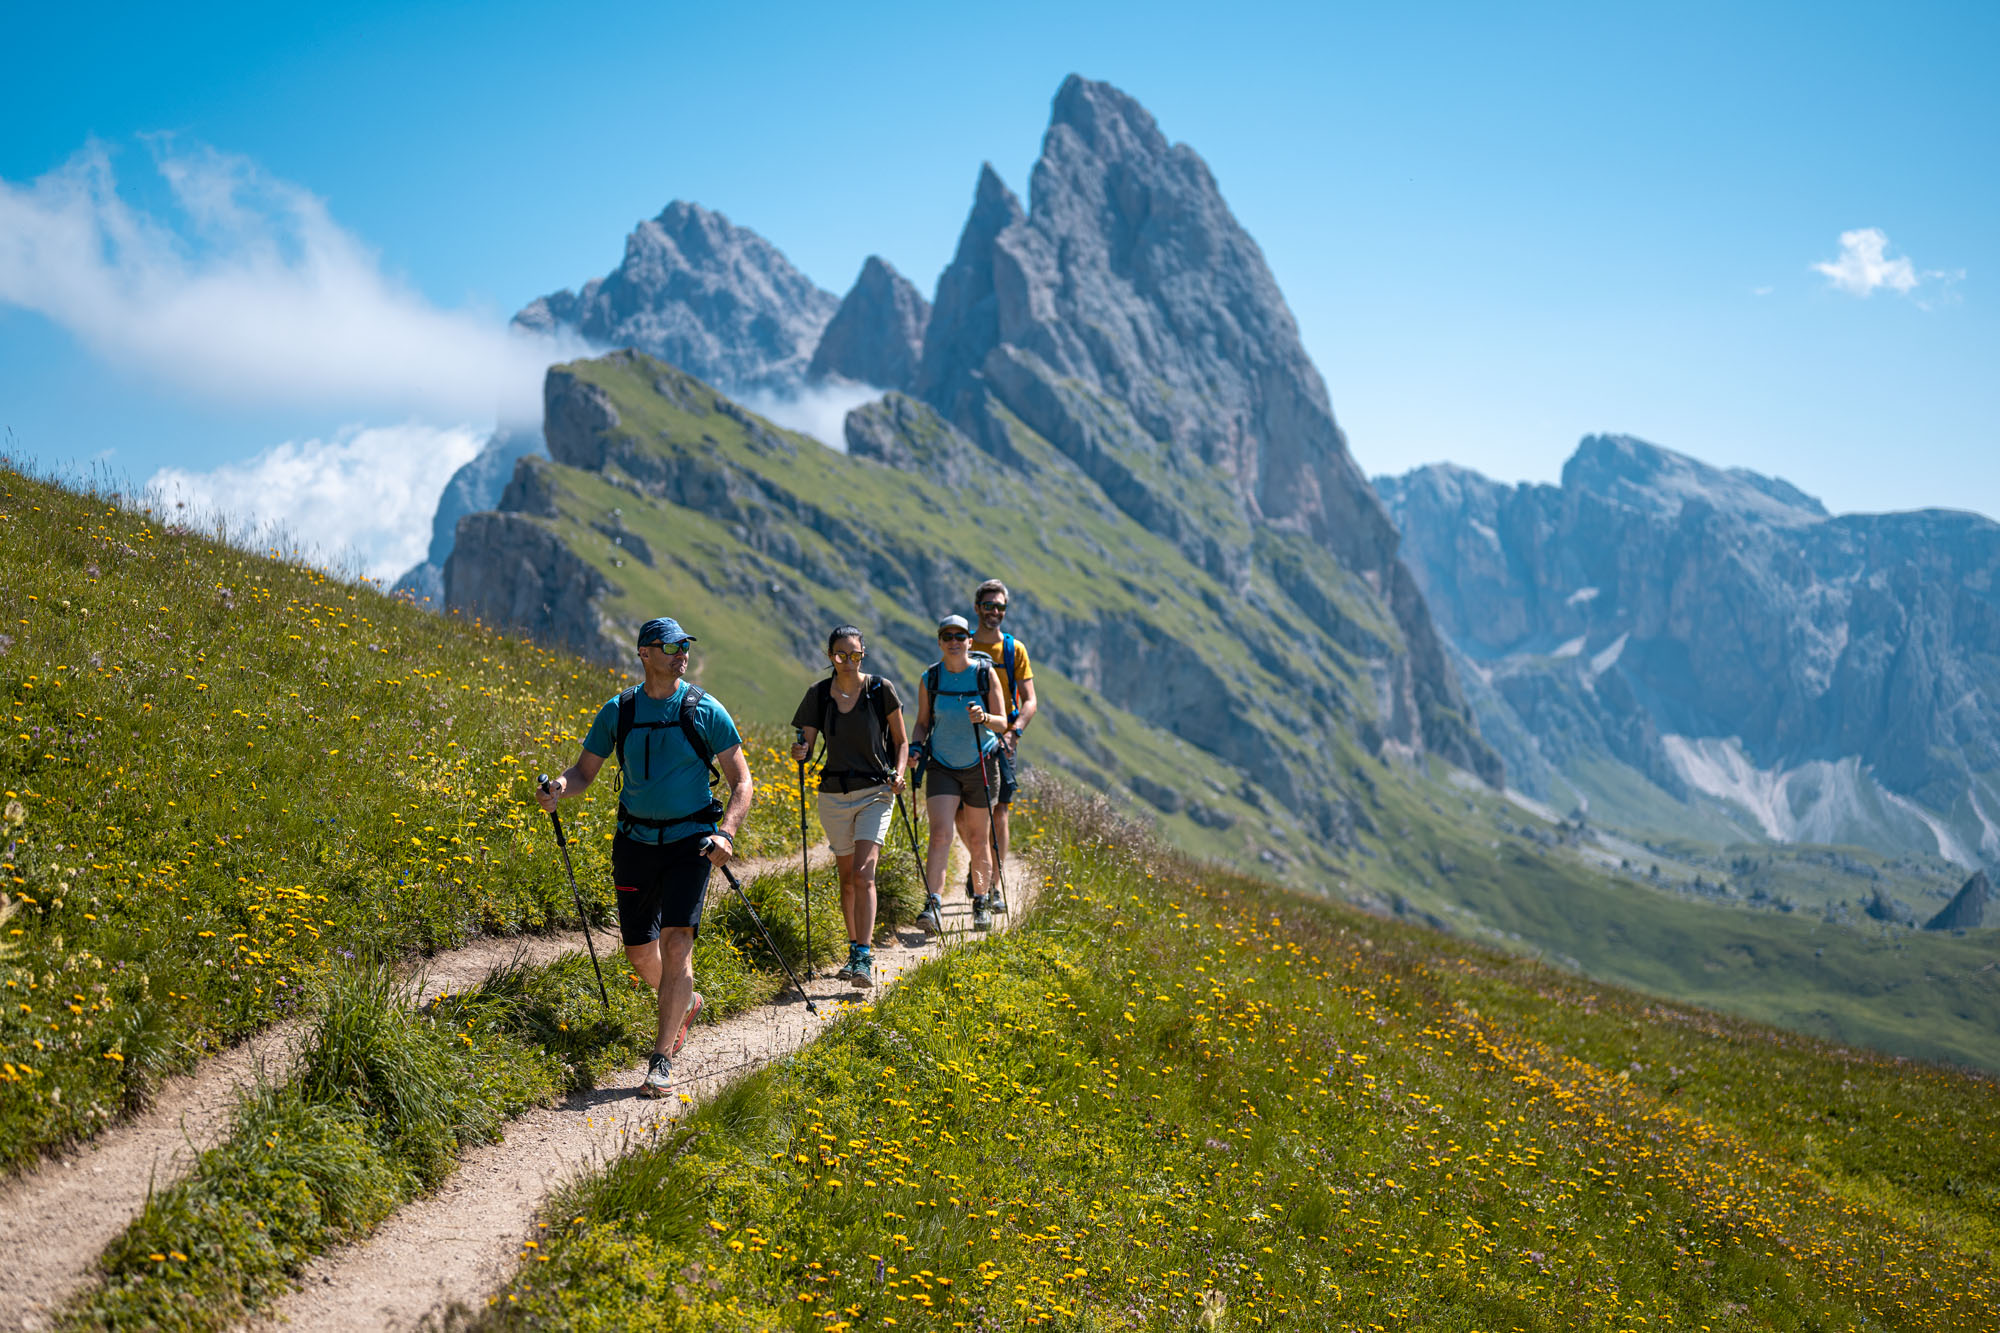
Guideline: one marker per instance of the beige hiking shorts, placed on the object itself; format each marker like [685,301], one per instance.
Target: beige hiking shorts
[856,816]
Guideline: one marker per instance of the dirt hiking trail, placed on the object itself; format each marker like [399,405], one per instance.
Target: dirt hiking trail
[56,1218]
[456,1246]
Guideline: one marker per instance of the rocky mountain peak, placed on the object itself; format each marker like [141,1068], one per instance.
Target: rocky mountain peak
[1128,319]
[1637,475]
[877,335]
[701,292]
[1109,121]
[1967,909]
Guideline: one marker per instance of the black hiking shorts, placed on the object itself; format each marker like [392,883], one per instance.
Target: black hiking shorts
[964,783]
[1004,787]
[660,886]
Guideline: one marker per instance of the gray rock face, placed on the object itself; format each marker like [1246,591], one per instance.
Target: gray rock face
[474,487]
[1892,910]
[877,335]
[1650,597]
[510,572]
[1967,908]
[698,291]
[1128,319]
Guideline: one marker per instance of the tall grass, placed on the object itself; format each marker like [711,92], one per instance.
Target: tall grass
[227,774]
[1173,1100]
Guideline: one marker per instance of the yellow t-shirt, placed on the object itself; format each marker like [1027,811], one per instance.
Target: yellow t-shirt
[1023,670]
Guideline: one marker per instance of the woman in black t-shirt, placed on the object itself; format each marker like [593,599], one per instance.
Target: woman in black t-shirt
[867,750]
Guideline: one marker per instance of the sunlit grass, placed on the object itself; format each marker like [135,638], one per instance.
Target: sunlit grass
[227,773]
[1172,1100]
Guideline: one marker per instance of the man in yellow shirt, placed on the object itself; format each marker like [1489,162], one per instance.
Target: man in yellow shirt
[1017,686]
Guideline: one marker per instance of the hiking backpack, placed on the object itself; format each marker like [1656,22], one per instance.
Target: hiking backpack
[628,722]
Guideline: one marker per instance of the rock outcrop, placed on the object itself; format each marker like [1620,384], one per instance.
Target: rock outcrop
[709,296]
[1967,909]
[510,571]
[475,486]
[877,335]
[1831,678]
[1130,320]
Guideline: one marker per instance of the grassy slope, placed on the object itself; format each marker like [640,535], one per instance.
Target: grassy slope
[1927,995]
[1920,996]
[1173,1101]
[227,773]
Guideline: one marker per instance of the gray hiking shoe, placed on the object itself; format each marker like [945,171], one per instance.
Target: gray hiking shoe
[659,1074]
[931,919]
[996,902]
[982,914]
[861,972]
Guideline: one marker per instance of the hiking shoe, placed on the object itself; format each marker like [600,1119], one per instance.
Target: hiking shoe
[931,919]
[997,903]
[659,1073]
[982,915]
[845,972]
[687,1021]
[861,972]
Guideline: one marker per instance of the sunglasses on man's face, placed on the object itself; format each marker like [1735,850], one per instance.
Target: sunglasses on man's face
[668,649]
[1001,607]
[954,637]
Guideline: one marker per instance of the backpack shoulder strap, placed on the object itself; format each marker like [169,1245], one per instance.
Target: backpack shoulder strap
[878,700]
[690,701]
[628,713]
[1013,681]
[931,681]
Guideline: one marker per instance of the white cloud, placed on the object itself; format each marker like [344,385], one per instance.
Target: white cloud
[249,292]
[361,502]
[819,411]
[1864,266]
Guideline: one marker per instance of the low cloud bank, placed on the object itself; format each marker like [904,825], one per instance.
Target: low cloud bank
[360,502]
[247,291]
[819,410]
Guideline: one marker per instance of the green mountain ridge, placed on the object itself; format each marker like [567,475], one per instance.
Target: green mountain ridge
[666,496]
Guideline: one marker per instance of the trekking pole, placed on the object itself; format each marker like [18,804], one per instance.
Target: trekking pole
[769,943]
[910,828]
[992,826]
[805,868]
[563,842]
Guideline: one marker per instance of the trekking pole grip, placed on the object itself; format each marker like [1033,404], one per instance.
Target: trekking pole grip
[561,840]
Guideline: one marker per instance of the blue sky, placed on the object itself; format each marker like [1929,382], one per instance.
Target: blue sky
[1500,227]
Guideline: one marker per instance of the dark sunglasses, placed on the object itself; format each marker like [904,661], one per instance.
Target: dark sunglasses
[670,649]
[955,636]
[1001,607]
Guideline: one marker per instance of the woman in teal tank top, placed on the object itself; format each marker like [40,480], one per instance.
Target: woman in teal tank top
[959,721]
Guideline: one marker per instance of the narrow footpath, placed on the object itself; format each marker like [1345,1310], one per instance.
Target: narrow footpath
[455,1247]
[56,1218]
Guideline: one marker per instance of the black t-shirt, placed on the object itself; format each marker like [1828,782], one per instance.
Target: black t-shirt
[857,741]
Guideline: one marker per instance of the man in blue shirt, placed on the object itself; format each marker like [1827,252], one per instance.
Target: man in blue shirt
[666,811]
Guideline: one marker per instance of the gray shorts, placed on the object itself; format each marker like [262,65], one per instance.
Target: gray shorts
[856,816]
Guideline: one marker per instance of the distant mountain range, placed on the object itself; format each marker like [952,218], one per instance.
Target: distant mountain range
[1686,649]
[1677,648]
[1106,403]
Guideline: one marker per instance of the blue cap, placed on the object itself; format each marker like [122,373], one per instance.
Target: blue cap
[662,630]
